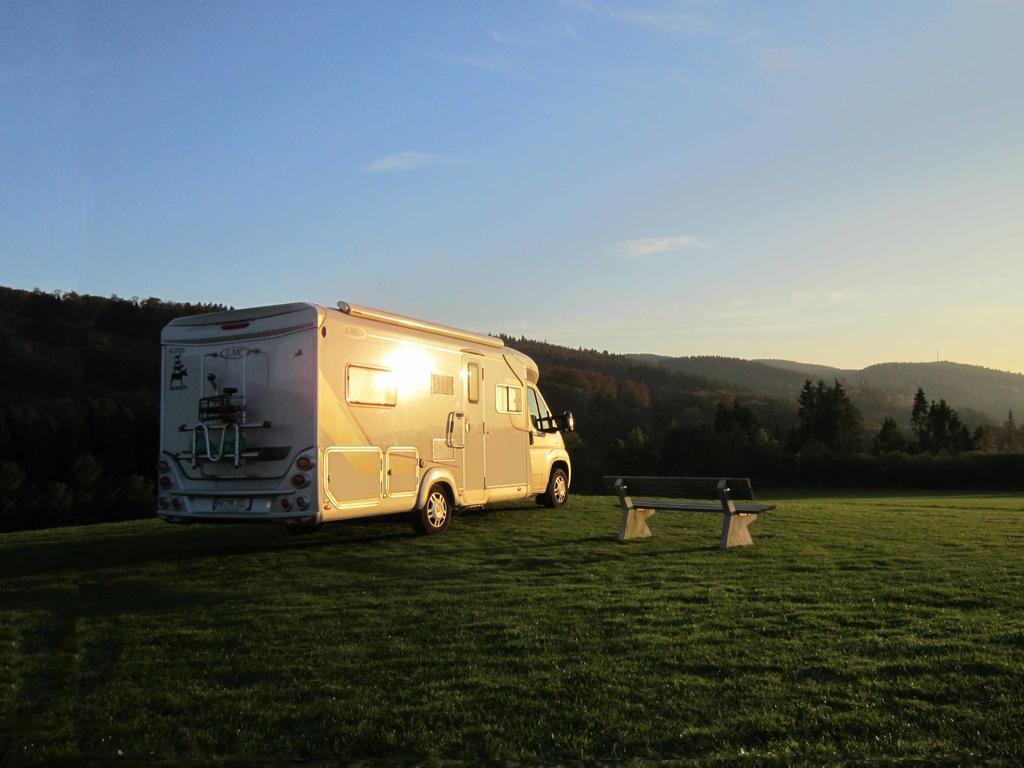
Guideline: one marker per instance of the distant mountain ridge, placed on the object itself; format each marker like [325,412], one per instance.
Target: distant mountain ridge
[884,389]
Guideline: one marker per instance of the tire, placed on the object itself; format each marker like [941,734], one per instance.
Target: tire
[558,490]
[436,514]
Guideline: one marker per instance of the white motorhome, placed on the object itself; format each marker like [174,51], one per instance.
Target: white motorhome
[303,414]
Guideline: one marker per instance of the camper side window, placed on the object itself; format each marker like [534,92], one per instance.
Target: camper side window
[473,382]
[370,386]
[508,399]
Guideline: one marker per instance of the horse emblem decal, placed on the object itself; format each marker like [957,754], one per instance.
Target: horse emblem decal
[178,373]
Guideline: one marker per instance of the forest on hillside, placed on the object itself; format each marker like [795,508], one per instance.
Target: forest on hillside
[79,400]
[79,406]
[642,418]
[983,395]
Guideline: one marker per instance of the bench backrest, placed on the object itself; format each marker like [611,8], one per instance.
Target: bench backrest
[682,487]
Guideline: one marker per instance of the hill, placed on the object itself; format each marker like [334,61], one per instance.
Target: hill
[982,395]
[985,390]
[810,369]
[750,375]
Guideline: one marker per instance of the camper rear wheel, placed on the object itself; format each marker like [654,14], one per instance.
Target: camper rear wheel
[558,490]
[436,513]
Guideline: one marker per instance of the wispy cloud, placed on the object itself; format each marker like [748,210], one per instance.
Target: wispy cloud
[670,20]
[543,53]
[653,246]
[578,5]
[677,17]
[543,38]
[501,65]
[403,161]
[518,53]
[555,49]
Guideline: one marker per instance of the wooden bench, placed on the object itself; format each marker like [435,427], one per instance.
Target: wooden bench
[736,516]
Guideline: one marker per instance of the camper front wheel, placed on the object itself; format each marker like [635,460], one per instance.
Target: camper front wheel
[558,490]
[436,514]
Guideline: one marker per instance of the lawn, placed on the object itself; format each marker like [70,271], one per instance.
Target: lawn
[858,627]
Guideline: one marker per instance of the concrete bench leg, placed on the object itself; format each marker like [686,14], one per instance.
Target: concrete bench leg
[734,530]
[634,524]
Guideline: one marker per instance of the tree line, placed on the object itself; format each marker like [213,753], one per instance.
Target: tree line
[690,426]
[79,406]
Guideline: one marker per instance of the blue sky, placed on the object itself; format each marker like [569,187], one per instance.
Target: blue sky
[834,182]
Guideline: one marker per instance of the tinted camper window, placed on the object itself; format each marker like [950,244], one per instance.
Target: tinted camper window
[370,386]
[508,399]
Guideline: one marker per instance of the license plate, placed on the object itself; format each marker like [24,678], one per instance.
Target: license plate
[232,504]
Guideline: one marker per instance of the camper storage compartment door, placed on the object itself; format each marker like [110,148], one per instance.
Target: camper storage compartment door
[402,475]
[354,476]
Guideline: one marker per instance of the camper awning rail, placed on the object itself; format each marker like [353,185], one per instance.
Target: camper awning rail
[417,325]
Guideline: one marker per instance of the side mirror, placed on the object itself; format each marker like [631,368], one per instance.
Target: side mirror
[568,422]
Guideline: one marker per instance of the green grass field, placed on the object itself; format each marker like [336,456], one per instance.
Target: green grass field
[857,627]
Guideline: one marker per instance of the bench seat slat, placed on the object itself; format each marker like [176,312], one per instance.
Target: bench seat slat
[698,506]
[682,487]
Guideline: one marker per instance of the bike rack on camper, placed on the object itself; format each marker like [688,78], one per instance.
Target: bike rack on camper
[225,411]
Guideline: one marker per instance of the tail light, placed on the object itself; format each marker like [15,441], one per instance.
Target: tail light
[299,481]
[304,463]
[301,502]
[163,466]
[161,502]
[176,502]
[285,504]
[165,482]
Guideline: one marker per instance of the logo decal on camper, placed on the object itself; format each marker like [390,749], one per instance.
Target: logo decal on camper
[178,374]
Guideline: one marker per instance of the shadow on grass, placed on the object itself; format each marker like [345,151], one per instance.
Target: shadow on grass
[133,597]
[199,541]
[181,543]
[158,544]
